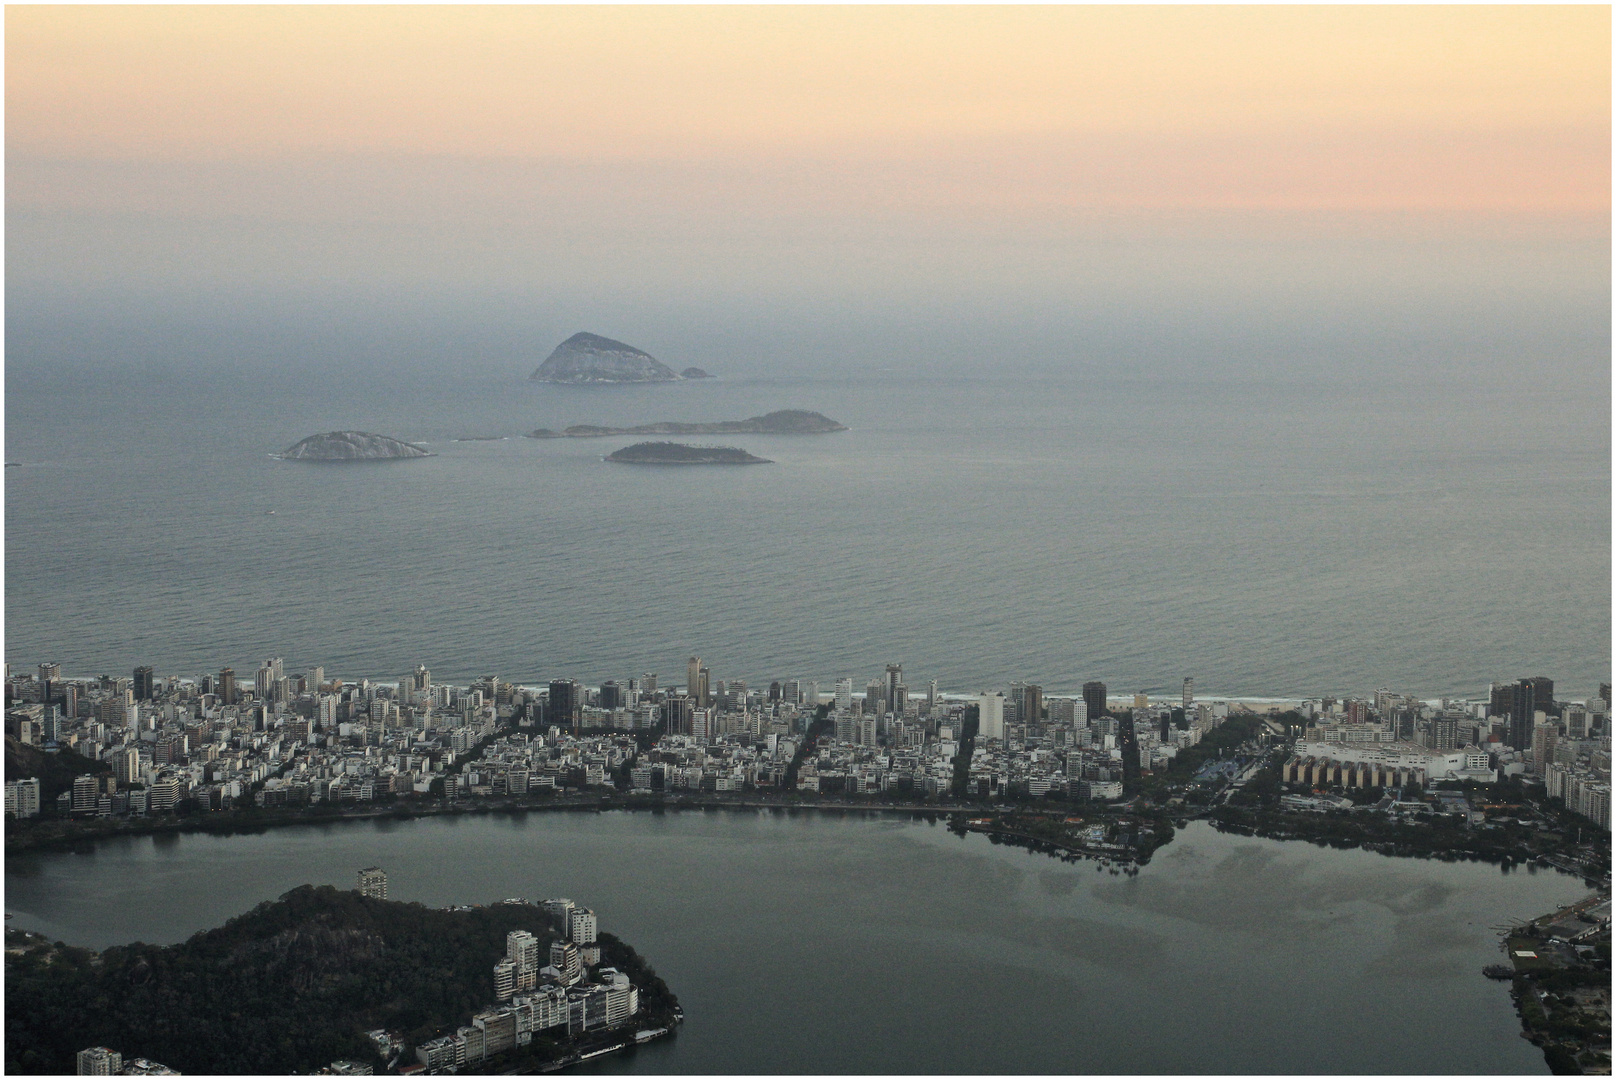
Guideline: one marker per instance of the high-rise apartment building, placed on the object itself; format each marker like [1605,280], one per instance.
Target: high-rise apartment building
[566,706]
[22,797]
[990,716]
[99,1061]
[581,926]
[1189,695]
[1094,698]
[894,680]
[373,883]
[227,686]
[1027,702]
[565,959]
[559,910]
[1544,736]
[143,683]
[49,676]
[844,695]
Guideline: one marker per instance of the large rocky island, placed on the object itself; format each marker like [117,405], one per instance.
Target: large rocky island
[782,422]
[352,446]
[667,453]
[590,358]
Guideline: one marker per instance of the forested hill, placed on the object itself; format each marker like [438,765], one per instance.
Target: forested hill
[55,772]
[288,987]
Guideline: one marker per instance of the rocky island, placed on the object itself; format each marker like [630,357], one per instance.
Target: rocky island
[782,422]
[667,453]
[694,373]
[352,446]
[590,358]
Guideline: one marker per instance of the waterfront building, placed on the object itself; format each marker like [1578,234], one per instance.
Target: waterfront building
[565,704]
[22,797]
[581,926]
[560,911]
[143,683]
[1094,698]
[99,1061]
[373,883]
[990,716]
[564,957]
[894,683]
[1189,695]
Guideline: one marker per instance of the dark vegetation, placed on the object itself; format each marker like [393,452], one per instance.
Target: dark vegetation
[820,727]
[287,987]
[56,772]
[969,727]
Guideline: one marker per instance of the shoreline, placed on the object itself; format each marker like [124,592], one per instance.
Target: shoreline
[85,842]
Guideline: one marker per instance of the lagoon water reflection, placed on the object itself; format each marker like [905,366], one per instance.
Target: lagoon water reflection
[808,943]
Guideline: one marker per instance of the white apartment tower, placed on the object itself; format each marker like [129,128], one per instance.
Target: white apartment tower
[373,883]
[581,926]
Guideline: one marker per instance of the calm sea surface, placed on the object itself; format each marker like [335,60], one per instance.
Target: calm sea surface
[822,944]
[1268,540]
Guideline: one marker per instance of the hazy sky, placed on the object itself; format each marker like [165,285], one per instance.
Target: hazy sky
[1429,186]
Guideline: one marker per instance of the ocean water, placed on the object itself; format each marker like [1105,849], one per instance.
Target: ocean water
[1279,539]
[818,944]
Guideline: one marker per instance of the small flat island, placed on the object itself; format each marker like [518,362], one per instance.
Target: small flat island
[667,453]
[780,422]
[352,446]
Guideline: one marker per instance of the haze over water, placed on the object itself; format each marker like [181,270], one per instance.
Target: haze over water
[1269,346]
[1269,539]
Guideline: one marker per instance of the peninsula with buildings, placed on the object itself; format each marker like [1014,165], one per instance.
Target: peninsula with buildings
[339,982]
[781,422]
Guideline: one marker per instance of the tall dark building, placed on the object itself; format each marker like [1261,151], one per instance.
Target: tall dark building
[611,695]
[227,685]
[1604,693]
[1503,699]
[1543,693]
[1526,698]
[143,683]
[566,703]
[1094,698]
[774,690]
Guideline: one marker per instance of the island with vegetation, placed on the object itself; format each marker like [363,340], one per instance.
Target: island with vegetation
[694,373]
[667,453]
[782,422]
[352,446]
[294,985]
[591,359]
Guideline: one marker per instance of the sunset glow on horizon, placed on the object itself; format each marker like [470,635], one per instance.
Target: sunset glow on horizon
[1424,107]
[1227,165]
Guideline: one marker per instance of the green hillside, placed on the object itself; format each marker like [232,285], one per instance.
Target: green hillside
[288,987]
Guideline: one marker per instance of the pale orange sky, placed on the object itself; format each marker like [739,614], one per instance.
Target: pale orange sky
[1289,180]
[997,107]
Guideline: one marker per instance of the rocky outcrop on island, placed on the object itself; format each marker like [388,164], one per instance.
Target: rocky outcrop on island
[590,358]
[694,373]
[352,446]
[783,422]
[667,453]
